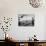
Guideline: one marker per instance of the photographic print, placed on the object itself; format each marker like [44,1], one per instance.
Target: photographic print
[26,20]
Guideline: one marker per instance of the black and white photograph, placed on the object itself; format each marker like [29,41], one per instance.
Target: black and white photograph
[26,20]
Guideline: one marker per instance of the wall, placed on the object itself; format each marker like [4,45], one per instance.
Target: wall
[12,8]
